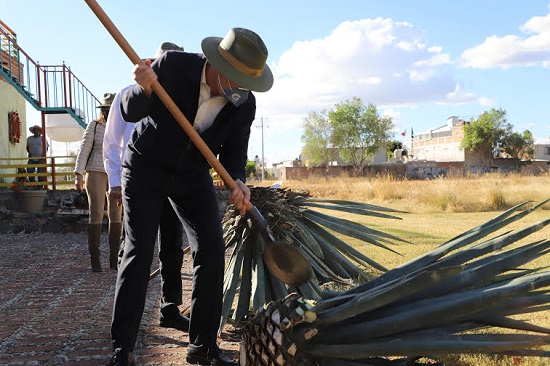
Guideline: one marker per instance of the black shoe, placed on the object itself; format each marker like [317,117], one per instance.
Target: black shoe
[207,356]
[177,321]
[121,358]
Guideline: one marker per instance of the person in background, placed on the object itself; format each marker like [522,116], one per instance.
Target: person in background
[90,161]
[213,91]
[170,235]
[34,150]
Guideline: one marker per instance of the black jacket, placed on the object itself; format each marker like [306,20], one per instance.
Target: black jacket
[163,142]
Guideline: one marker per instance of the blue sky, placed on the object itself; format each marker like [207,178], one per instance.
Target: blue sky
[418,61]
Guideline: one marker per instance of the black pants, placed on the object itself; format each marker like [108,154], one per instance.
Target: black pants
[36,170]
[195,201]
[170,240]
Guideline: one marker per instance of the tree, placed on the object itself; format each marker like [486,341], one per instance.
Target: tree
[250,169]
[358,132]
[316,139]
[519,146]
[486,134]
[391,146]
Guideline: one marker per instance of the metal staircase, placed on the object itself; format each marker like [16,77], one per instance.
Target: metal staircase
[49,89]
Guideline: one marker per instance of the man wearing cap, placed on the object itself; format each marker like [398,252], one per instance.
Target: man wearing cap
[170,235]
[34,150]
[213,91]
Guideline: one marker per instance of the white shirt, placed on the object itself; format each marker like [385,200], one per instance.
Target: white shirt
[118,131]
[117,135]
[209,106]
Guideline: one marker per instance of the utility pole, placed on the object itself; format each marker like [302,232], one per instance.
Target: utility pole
[263,158]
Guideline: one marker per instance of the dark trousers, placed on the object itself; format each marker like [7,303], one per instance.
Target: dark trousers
[36,170]
[193,197]
[170,241]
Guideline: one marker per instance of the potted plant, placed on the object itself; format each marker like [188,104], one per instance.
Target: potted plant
[31,196]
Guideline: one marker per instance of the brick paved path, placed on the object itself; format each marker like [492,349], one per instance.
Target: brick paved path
[55,311]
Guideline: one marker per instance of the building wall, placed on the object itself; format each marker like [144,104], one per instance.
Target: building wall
[412,170]
[440,145]
[542,152]
[11,100]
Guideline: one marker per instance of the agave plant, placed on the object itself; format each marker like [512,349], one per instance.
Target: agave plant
[455,299]
[295,218]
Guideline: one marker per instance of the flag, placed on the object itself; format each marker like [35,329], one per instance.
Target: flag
[403,133]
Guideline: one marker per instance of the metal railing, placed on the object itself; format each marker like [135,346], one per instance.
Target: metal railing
[49,88]
[57,172]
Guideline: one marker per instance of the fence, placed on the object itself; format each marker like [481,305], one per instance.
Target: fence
[55,172]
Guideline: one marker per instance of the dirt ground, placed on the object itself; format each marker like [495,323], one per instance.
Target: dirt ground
[55,311]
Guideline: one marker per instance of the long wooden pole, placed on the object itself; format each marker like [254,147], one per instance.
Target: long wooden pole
[284,261]
[164,97]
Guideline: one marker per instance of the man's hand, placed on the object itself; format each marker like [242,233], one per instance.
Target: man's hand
[145,76]
[79,182]
[116,194]
[240,197]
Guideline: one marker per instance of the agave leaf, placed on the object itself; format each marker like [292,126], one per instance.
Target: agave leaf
[382,236]
[321,234]
[448,309]
[340,226]
[378,298]
[231,280]
[482,261]
[335,258]
[486,271]
[461,241]
[350,209]
[503,322]
[490,223]
[258,272]
[245,288]
[362,205]
[322,269]
[532,302]
[310,290]
[528,283]
[414,345]
[493,244]
[407,315]
[309,239]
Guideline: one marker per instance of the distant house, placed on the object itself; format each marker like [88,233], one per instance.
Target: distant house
[443,145]
[542,149]
[440,144]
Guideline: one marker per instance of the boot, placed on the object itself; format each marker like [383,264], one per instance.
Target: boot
[115,231]
[94,238]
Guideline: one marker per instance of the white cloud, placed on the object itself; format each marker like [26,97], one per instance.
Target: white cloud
[390,64]
[531,48]
[381,61]
[486,102]
[457,96]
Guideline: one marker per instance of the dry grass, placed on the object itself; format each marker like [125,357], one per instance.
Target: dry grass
[438,210]
[491,192]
